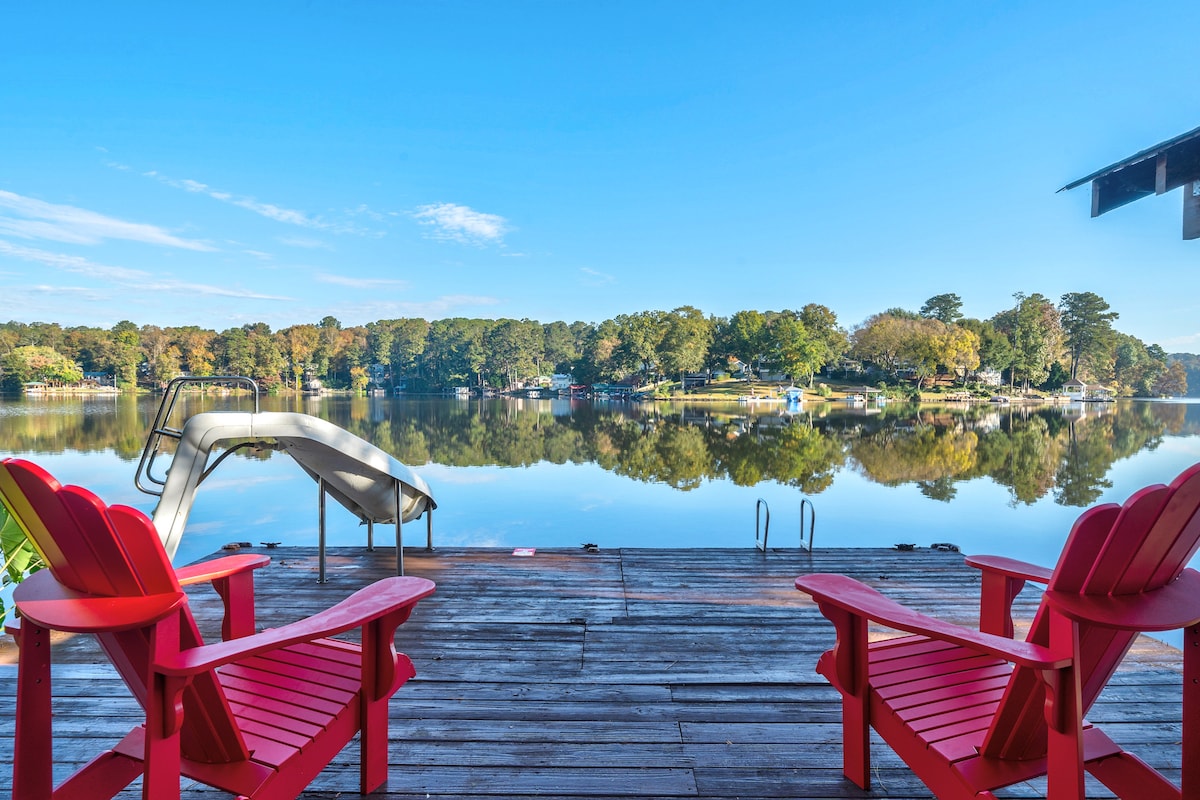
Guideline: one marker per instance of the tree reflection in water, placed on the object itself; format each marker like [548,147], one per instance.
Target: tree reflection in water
[1065,451]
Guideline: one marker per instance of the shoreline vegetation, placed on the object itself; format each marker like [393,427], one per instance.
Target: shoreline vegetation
[730,390]
[1035,347]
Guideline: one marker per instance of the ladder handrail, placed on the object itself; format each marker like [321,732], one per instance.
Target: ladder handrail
[812,523]
[760,506]
[159,428]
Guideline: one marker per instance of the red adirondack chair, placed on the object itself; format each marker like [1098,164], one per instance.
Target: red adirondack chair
[972,711]
[258,714]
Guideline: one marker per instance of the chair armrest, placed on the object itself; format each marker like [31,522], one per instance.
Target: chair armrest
[1011,567]
[45,602]
[861,600]
[208,571]
[1003,579]
[1174,606]
[232,577]
[367,604]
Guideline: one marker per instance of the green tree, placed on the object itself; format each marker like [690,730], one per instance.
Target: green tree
[558,344]
[743,337]
[831,342]
[1034,331]
[512,350]
[641,335]
[234,352]
[995,350]
[943,307]
[1087,325]
[685,342]
[125,353]
[409,337]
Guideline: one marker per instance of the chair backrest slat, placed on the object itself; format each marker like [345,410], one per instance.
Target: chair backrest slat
[1138,547]
[109,552]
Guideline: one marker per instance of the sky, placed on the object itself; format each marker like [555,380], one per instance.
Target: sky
[218,164]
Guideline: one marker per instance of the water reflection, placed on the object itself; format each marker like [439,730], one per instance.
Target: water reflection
[1064,452]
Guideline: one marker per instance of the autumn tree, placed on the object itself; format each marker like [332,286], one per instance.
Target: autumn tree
[1172,382]
[39,363]
[880,340]
[298,344]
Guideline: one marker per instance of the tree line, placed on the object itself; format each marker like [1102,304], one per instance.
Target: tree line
[1035,343]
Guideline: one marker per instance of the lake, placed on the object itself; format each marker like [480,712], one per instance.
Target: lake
[560,473]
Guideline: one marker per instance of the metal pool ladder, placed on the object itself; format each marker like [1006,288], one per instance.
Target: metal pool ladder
[762,524]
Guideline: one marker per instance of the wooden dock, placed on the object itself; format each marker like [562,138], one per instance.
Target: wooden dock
[635,673]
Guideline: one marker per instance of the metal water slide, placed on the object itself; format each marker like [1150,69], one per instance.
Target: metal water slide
[362,478]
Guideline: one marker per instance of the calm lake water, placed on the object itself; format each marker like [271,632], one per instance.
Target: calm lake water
[559,473]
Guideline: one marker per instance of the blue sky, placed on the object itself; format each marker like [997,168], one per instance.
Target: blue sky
[223,163]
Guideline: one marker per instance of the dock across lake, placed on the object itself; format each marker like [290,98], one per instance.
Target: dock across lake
[632,673]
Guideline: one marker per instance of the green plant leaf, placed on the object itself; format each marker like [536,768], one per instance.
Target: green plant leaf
[19,555]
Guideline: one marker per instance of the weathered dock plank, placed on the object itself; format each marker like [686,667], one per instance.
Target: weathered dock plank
[613,675]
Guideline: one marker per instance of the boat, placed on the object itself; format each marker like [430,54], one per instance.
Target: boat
[1000,399]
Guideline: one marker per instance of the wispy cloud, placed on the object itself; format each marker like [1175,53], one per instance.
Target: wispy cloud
[438,308]
[361,283]
[593,278]
[29,218]
[1182,343]
[305,242]
[131,278]
[455,223]
[287,216]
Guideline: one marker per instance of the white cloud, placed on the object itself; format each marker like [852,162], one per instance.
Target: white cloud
[37,219]
[438,308]
[288,216]
[361,283]
[593,278]
[129,278]
[305,242]
[1182,344]
[452,222]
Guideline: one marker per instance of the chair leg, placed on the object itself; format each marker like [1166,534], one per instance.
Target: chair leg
[1064,717]
[33,758]
[378,659]
[1190,783]
[846,668]
[856,740]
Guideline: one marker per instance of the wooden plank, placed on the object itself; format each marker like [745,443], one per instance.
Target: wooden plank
[624,674]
